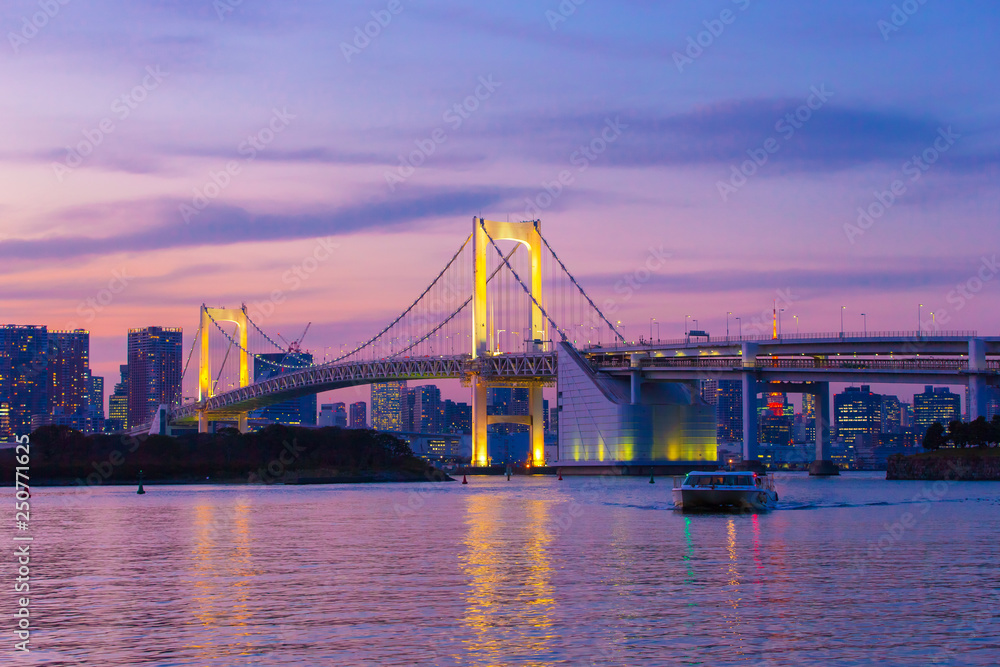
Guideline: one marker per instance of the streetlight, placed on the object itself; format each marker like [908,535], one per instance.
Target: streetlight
[864,317]
[780,311]
[727,323]
[651,320]
[842,309]
[739,320]
[933,322]
[686,324]
[796,324]
[920,326]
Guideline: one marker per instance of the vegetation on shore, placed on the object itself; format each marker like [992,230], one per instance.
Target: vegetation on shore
[977,433]
[274,454]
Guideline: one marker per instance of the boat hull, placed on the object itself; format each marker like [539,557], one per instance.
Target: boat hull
[724,499]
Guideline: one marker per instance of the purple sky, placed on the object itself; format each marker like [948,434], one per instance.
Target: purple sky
[163,95]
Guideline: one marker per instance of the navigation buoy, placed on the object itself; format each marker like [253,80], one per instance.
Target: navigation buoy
[141,490]
[560,477]
[464,480]
[651,481]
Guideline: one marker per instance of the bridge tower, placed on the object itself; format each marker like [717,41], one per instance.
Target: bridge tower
[206,390]
[528,234]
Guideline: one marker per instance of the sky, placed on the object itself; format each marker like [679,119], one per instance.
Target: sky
[841,157]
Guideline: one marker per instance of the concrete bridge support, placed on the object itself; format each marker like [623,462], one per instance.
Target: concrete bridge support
[823,465]
[750,416]
[977,380]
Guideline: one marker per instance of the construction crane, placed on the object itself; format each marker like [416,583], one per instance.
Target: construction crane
[294,347]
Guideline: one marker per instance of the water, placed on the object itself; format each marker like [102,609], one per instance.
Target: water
[533,571]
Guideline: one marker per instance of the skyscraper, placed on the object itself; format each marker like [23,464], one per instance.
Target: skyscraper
[428,411]
[892,417]
[936,404]
[95,401]
[154,371]
[69,372]
[23,375]
[118,404]
[294,411]
[359,415]
[729,410]
[386,405]
[857,411]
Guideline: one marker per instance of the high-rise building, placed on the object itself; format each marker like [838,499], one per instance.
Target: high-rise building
[857,411]
[457,417]
[23,375]
[892,419]
[69,373]
[809,406]
[96,395]
[428,411]
[992,403]
[710,391]
[729,410]
[936,404]
[359,415]
[294,411]
[333,414]
[118,404]
[154,371]
[387,411]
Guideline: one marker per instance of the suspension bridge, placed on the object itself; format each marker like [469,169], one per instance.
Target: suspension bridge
[493,316]
[506,311]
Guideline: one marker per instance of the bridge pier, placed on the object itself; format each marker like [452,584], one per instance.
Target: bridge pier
[823,465]
[750,416]
[978,387]
[479,422]
[203,422]
[241,422]
[536,408]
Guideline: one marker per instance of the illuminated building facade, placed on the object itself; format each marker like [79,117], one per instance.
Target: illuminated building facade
[936,404]
[386,405]
[729,410]
[23,375]
[858,411]
[69,372]
[359,414]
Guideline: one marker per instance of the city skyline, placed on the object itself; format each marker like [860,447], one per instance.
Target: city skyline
[110,248]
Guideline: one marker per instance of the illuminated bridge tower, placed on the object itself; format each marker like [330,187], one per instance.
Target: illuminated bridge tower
[206,388]
[526,233]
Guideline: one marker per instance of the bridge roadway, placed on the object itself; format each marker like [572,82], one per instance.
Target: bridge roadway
[855,357]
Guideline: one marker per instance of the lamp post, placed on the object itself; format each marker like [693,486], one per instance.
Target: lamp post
[651,320]
[686,324]
[739,321]
[780,311]
[933,322]
[796,325]
[920,326]
[842,309]
[864,318]
[727,323]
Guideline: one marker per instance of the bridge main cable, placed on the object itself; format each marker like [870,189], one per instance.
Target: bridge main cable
[579,287]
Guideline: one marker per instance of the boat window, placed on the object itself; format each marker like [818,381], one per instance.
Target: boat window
[732,480]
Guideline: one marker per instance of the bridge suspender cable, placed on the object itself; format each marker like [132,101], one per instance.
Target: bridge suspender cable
[191,351]
[454,314]
[573,280]
[257,357]
[412,305]
[518,278]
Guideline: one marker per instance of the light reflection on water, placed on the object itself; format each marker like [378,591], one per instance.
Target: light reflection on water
[533,571]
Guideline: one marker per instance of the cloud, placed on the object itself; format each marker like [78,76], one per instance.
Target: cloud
[225,225]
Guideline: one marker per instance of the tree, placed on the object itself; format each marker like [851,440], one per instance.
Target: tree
[979,432]
[934,437]
[958,433]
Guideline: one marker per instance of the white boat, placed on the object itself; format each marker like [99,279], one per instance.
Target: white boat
[742,490]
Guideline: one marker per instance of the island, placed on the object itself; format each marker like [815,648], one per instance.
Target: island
[276,454]
[966,451]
